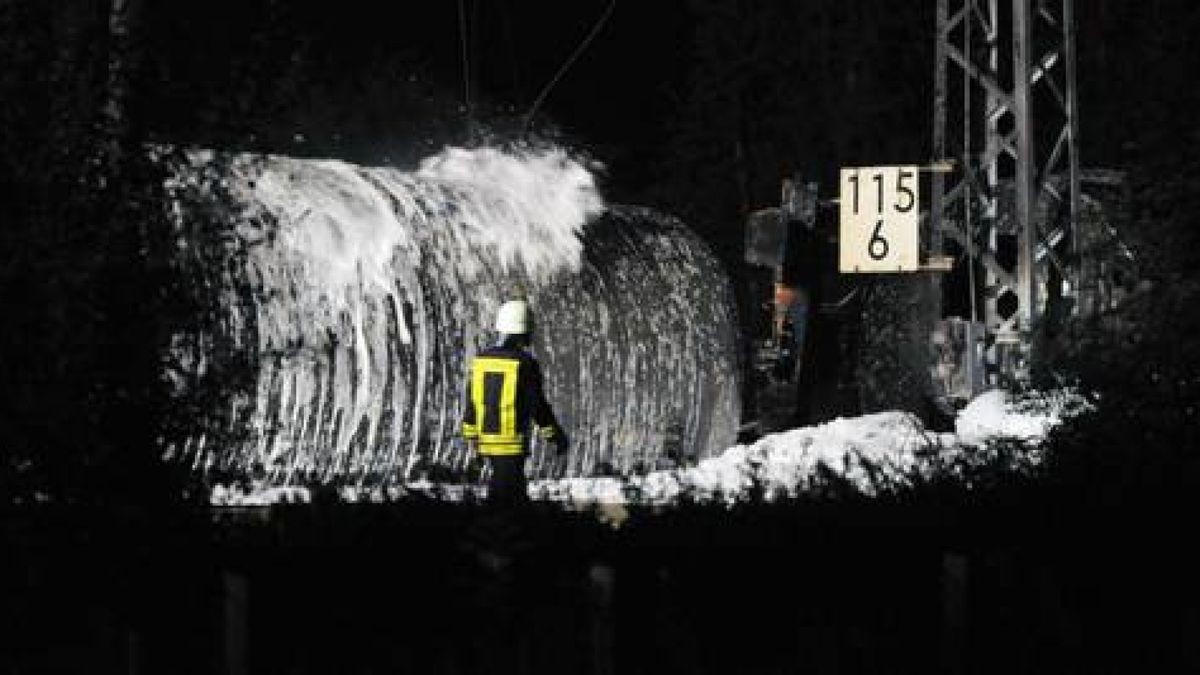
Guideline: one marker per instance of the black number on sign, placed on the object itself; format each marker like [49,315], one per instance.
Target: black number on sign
[901,189]
[877,248]
[878,178]
[854,179]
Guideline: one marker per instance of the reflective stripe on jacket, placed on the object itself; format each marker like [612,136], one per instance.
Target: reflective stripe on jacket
[505,398]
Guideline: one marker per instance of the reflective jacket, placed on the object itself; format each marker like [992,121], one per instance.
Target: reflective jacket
[505,400]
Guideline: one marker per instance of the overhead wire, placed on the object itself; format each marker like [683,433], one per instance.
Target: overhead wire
[537,102]
[969,197]
[463,29]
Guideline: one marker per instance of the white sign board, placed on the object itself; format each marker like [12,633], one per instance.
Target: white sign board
[879,208]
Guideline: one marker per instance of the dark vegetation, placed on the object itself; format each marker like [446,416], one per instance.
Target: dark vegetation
[1002,582]
[1079,565]
[730,101]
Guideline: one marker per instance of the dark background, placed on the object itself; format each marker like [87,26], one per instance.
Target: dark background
[699,108]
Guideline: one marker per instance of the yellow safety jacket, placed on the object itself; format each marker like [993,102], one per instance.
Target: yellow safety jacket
[505,399]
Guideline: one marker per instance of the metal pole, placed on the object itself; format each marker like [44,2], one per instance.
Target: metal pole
[992,112]
[955,578]
[939,126]
[969,199]
[1085,298]
[1025,173]
[602,589]
[237,624]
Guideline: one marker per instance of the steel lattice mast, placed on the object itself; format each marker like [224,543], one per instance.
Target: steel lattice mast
[1006,112]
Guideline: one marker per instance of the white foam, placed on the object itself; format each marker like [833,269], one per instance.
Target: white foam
[531,205]
[867,453]
[993,414]
[335,253]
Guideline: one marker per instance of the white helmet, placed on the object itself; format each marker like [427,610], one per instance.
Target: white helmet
[513,318]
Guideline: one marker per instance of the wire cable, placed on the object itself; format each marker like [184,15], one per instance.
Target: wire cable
[466,57]
[537,102]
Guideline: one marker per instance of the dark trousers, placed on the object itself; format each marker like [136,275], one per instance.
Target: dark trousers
[500,537]
[507,485]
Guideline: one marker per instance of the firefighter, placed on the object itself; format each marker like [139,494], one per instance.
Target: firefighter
[506,402]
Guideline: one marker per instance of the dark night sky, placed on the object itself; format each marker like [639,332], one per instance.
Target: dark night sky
[89,304]
[617,96]
[615,99]
[699,107]
[618,88]
[624,98]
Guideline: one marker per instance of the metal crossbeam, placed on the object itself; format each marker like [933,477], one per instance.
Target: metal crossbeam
[987,80]
[1004,278]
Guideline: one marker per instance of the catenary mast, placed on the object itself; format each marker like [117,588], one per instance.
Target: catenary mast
[1006,112]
